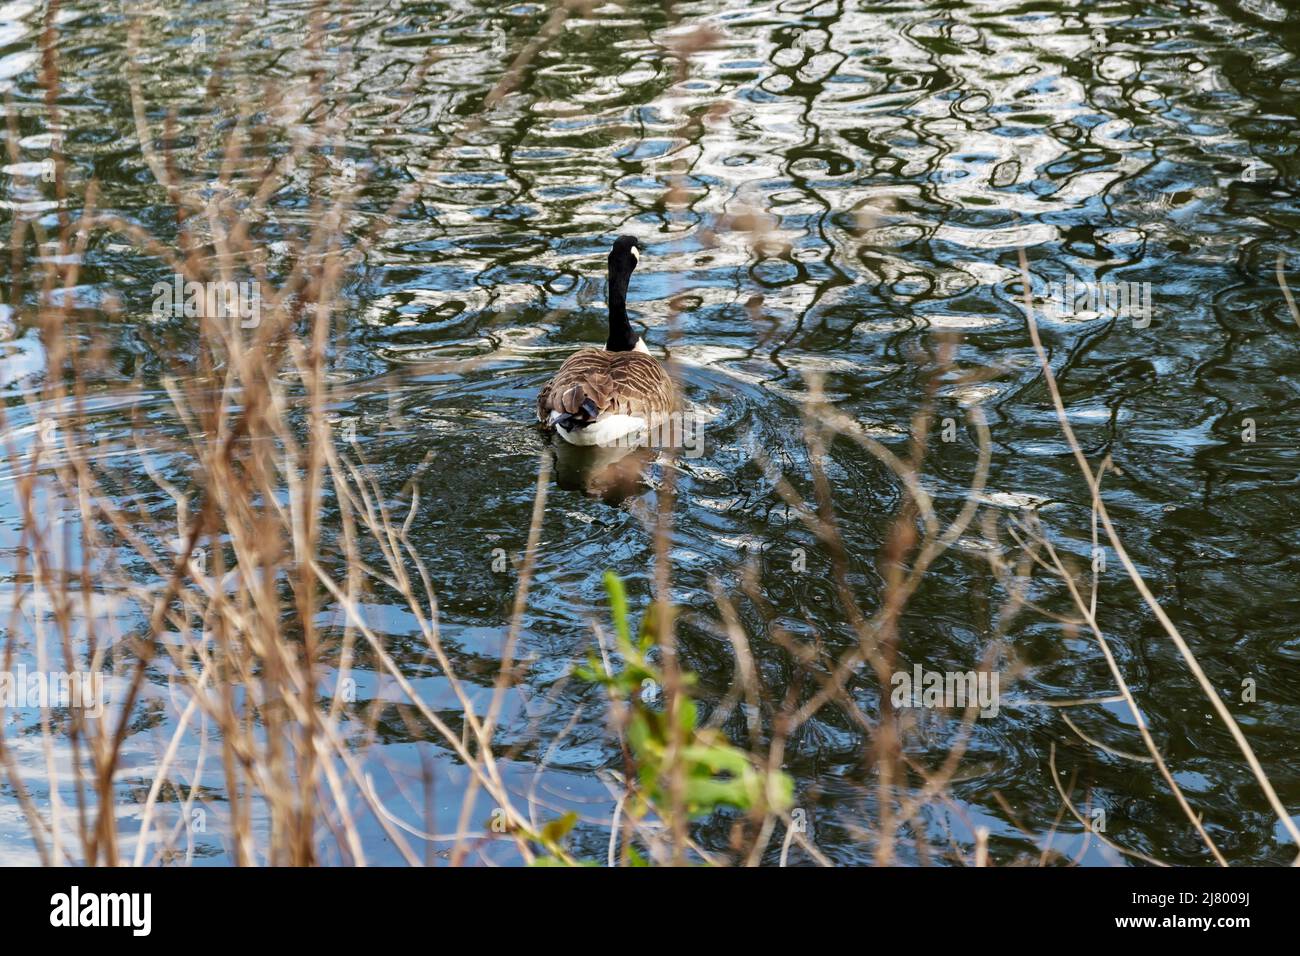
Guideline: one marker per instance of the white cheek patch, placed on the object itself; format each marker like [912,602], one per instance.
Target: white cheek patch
[636,255]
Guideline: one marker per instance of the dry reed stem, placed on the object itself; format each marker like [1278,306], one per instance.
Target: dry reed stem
[1135,576]
[1286,289]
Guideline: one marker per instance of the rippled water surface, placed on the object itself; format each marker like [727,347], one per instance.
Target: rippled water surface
[851,179]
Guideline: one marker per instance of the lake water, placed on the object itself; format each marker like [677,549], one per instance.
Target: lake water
[891,159]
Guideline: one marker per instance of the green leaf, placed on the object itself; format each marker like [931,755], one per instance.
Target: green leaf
[618,608]
[719,758]
[593,671]
[780,791]
[556,830]
[705,793]
[715,772]
[557,861]
[687,713]
[640,736]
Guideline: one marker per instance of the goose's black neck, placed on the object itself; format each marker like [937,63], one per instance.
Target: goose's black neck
[621,337]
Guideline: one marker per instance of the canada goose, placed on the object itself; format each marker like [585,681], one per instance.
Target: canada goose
[601,395]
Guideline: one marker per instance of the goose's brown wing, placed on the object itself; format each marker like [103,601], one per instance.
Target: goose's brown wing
[641,386]
[621,383]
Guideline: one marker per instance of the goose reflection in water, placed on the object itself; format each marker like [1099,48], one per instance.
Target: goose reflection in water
[611,473]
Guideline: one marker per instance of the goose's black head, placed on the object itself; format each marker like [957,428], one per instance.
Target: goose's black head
[622,260]
[624,257]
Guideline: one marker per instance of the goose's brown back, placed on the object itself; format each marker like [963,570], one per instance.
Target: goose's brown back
[618,383]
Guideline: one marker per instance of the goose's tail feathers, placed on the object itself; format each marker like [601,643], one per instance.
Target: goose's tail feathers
[574,421]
